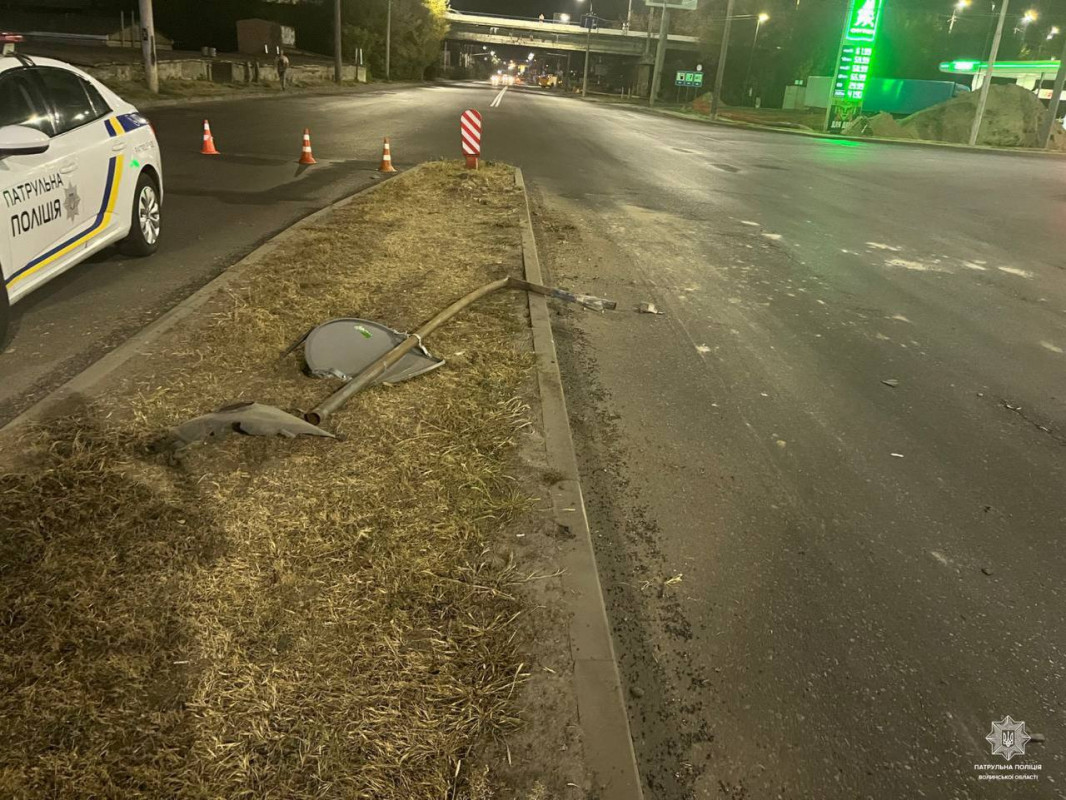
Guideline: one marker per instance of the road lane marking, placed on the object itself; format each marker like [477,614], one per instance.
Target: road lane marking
[498,98]
[1021,273]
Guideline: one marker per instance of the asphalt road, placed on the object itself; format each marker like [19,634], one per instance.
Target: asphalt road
[821,585]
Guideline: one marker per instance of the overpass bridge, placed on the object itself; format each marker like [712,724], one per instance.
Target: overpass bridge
[492,29]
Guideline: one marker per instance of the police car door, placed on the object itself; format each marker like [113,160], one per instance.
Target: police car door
[78,186]
[29,184]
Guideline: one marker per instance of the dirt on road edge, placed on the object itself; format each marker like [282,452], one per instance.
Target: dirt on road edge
[364,618]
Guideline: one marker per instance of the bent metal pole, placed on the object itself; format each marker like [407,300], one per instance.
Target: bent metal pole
[376,369]
[982,100]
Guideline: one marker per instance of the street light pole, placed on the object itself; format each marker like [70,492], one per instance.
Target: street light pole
[1053,109]
[388,38]
[751,56]
[151,62]
[647,39]
[722,60]
[660,55]
[588,47]
[588,19]
[338,59]
[982,102]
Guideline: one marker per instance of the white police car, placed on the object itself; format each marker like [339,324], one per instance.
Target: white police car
[79,169]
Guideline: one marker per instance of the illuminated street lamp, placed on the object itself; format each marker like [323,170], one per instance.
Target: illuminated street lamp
[1051,34]
[960,6]
[1027,19]
[759,20]
[564,18]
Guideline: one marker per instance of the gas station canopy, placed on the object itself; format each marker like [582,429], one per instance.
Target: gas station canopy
[1028,74]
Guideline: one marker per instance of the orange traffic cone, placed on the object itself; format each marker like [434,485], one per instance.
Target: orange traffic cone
[386,159]
[209,142]
[305,156]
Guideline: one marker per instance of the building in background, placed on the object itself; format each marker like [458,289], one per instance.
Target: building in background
[256,36]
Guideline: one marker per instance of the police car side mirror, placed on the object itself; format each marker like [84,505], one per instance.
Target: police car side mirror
[20,140]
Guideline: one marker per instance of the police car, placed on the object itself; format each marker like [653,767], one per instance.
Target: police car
[79,170]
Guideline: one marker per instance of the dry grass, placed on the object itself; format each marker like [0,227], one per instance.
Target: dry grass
[273,619]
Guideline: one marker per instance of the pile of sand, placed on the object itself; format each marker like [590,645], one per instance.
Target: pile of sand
[882,125]
[1012,118]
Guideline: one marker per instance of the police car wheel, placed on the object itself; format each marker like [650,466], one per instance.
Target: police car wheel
[5,313]
[146,219]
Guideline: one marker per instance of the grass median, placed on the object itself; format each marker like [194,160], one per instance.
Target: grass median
[282,618]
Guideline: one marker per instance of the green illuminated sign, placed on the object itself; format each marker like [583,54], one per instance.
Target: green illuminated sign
[863,19]
[857,50]
[682,78]
[852,72]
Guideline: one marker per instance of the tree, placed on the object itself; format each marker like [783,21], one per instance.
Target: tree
[418,29]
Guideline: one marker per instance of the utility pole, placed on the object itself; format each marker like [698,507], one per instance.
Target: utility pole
[588,21]
[588,47]
[983,100]
[723,53]
[151,62]
[388,38]
[660,54]
[1053,109]
[751,57]
[338,61]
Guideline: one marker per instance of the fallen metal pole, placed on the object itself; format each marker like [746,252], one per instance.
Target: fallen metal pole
[375,370]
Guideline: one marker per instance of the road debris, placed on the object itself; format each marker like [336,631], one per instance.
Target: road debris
[373,371]
[342,348]
[893,382]
[987,570]
[896,455]
[648,308]
[250,419]
[363,352]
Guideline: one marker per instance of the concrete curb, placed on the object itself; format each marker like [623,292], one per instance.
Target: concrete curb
[85,383]
[751,126]
[601,707]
